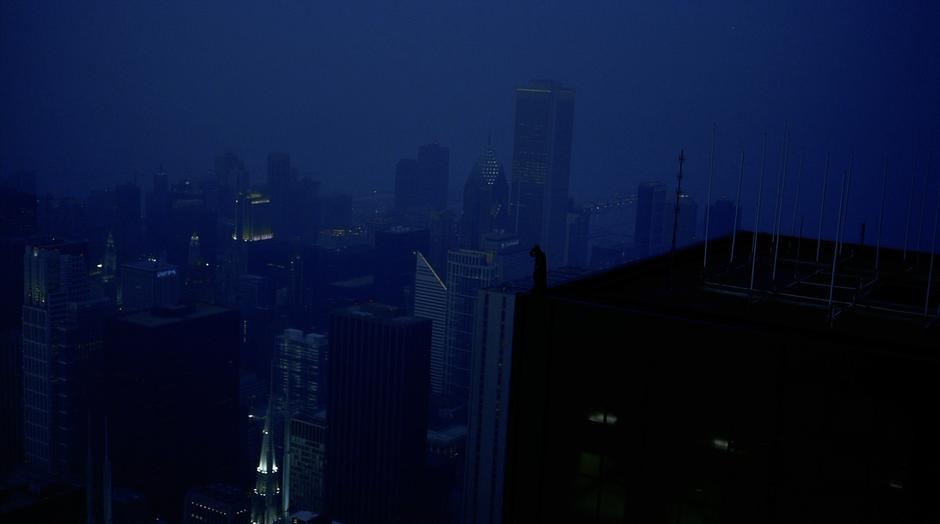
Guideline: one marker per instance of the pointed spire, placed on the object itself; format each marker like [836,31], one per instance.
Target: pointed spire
[265,506]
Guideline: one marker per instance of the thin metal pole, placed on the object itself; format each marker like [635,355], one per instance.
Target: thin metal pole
[737,206]
[760,190]
[822,205]
[796,202]
[708,194]
[923,208]
[933,250]
[845,208]
[835,246]
[778,213]
[910,204]
[881,218]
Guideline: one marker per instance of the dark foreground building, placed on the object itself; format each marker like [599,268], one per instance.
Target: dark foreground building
[659,392]
[171,397]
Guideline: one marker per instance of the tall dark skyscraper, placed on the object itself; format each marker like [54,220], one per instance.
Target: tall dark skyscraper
[485,200]
[281,184]
[421,185]
[170,391]
[377,415]
[433,174]
[541,162]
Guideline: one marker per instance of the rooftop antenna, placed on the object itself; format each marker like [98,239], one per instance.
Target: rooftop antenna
[760,191]
[708,194]
[933,250]
[881,217]
[778,212]
[910,204]
[799,180]
[737,206]
[835,245]
[781,182]
[822,205]
[675,217]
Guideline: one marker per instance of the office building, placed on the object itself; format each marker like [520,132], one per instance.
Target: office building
[468,272]
[541,163]
[55,285]
[485,455]
[485,200]
[170,379]
[430,301]
[253,220]
[147,284]
[307,459]
[800,398]
[300,371]
[377,415]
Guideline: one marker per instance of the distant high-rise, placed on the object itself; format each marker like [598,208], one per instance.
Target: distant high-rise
[651,219]
[430,301]
[541,163]
[396,247]
[282,183]
[56,349]
[433,174]
[253,221]
[377,415]
[231,179]
[148,284]
[421,185]
[300,372]
[467,273]
[485,200]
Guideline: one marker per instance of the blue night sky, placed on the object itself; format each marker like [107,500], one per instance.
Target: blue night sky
[93,92]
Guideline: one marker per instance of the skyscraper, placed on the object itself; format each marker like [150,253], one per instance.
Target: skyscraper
[430,301]
[540,166]
[55,280]
[485,200]
[489,397]
[148,284]
[421,185]
[377,415]
[467,273]
[266,497]
[300,372]
[171,377]
[253,222]
[281,184]
[433,174]
[307,463]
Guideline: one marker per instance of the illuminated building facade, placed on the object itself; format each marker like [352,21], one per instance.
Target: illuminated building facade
[253,220]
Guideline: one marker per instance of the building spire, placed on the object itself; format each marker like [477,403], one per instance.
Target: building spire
[265,504]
